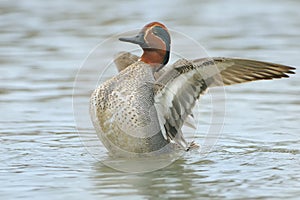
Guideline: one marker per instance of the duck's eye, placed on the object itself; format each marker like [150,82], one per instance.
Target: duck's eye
[162,33]
[157,30]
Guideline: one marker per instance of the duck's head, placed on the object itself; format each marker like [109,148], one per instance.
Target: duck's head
[155,41]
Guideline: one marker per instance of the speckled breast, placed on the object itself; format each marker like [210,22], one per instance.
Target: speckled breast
[123,112]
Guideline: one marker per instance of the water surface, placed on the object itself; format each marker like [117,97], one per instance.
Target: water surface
[42,47]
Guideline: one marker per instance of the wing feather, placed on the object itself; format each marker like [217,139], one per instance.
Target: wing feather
[123,59]
[237,70]
[180,86]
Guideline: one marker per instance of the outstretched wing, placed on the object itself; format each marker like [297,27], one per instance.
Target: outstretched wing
[123,59]
[178,88]
[231,71]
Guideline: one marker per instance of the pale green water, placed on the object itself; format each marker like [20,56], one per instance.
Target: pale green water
[43,45]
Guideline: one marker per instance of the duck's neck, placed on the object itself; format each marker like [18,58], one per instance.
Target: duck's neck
[156,57]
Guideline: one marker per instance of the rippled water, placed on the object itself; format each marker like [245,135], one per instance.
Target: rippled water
[44,43]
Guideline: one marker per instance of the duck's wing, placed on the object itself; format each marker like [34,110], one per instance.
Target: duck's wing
[219,71]
[123,59]
[177,90]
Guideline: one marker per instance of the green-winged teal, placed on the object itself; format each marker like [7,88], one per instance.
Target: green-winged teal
[142,109]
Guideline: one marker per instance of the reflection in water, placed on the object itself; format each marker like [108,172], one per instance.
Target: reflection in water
[42,47]
[233,175]
[174,181]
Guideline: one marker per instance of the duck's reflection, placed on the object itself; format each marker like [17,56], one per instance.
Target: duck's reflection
[175,180]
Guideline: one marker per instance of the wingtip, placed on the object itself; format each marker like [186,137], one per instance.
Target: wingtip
[291,70]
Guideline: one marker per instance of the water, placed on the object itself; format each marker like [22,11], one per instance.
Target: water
[42,47]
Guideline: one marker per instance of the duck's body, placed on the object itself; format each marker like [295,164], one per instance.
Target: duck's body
[123,106]
[143,108]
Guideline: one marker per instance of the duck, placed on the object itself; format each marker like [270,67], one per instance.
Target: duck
[141,110]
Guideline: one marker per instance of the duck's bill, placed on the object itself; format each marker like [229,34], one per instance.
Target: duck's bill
[138,39]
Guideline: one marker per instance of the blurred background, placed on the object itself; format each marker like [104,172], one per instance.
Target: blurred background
[42,46]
